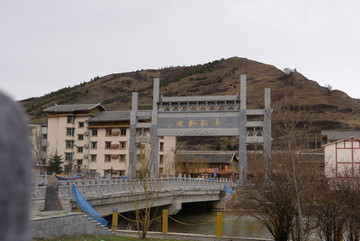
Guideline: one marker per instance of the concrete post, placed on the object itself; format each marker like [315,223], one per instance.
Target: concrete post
[132,138]
[242,132]
[267,135]
[165,216]
[154,167]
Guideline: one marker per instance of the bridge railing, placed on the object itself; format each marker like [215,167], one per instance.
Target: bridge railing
[104,186]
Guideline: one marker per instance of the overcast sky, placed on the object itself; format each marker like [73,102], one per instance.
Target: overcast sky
[46,45]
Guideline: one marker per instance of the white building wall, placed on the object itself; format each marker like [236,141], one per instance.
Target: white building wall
[330,161]
[53,135]
[100,165]
[57,137]
[342,158]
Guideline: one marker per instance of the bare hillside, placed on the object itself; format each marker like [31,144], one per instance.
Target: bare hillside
[328,108]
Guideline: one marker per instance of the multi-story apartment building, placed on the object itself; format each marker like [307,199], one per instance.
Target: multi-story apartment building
[92,139]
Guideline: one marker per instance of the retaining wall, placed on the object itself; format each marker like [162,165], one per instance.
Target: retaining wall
[67,224]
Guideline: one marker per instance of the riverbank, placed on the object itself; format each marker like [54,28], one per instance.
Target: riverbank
[97,238]
[152,236]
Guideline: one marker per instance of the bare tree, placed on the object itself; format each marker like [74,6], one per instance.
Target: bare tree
[283,202]
[351,198]
[37,146]
[338,213]
[293,124]
[169,165]
[329,214]
[147,191]
[271,204]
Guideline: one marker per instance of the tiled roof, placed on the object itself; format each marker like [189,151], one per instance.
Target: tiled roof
[352,138]
[340,134]
[113,116]
[72,108]
[205,157]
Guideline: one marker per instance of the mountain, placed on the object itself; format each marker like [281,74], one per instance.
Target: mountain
[329,108]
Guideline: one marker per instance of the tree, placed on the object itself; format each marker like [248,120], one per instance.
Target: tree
[147,189]
[330,214]
[271,204]
[55,162]
[282,201]
[287,125]
[37,146]
[338,214]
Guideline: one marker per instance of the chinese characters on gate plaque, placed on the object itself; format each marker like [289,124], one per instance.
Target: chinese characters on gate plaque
[195,123]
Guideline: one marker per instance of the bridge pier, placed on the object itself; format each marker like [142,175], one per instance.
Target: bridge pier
[175,207]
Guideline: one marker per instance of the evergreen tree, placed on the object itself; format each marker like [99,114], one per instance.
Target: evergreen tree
[55,164]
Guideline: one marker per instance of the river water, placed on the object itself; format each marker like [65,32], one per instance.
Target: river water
[234,224]
[198,219]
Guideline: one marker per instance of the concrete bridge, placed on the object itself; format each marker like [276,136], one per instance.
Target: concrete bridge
[131,194]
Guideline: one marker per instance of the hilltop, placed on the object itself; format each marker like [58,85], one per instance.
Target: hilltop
[330,109]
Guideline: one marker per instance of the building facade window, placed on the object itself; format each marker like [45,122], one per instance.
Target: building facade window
[70,131]
[80,149]
[93,157]
[106,173]
[69,144]
[80,137]
[107,158]
[70,119]
[81,124]
[122,158]
[161,161]
[123,132]
[122,144]
[161,146]
[94,145]
[68,156]
[107,144]
[108,132]
[94,132]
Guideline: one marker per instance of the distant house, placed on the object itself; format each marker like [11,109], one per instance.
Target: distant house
[342,158]
[207,164]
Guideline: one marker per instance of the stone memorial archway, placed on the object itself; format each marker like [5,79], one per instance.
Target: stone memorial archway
[224,115]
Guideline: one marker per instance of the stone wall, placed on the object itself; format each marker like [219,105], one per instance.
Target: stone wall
[66,224]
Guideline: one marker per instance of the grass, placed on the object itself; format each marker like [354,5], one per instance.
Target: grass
[98,238]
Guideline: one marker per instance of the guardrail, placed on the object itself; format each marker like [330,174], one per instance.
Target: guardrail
[103,186]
